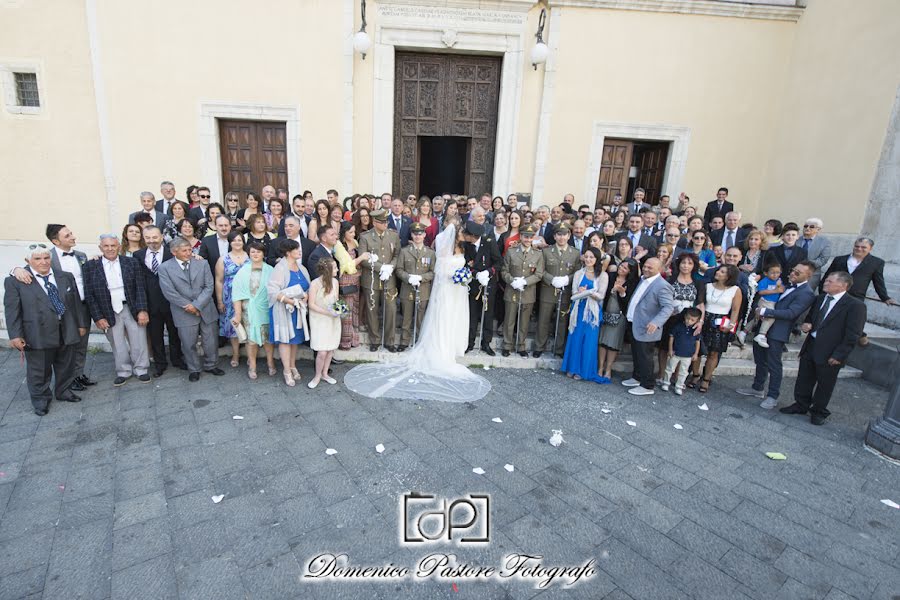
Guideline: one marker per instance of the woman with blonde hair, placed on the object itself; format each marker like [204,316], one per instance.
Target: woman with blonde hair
[756,250]
[324,319]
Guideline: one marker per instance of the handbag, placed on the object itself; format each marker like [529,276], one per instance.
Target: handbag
[612,318]
[348,290]
[241,332]
[725,324]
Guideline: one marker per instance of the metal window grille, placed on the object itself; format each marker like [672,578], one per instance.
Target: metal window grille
[27,89]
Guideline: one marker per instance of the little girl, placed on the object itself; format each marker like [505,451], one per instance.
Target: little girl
[324,320]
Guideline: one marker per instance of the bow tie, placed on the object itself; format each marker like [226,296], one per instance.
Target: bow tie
[69,253]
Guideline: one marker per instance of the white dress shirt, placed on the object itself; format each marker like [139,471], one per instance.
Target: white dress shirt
[70,264]
[44,283]
[787,292]
[113,271]
[837,298]
[148,259]
[642,288]
[223,245]
[852,263]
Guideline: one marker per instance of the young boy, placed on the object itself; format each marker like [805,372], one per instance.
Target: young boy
[684,347]
[769,290]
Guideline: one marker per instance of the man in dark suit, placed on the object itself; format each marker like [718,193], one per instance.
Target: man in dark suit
[291,232]
[483,259]
[198,213]
[148,202]
[796,299]
[167,190]
[718,207]
[833,326]
[114,289]
[637,236]
[864,268]
[325,248]
[398,222]
[731,235]
[213,247]
[45,322]
[150,259]
[188,286]
[788,253]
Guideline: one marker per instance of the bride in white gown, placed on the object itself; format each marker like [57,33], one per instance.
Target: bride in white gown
[429,370]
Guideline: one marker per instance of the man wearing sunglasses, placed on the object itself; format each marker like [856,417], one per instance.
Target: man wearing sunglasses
[818,248]
[46,322]
[198,213]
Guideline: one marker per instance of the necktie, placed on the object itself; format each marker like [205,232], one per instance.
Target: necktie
[822,312]
[729,240]
[53,294]
[806,244]
[185,265]
[154,264]
[69,253]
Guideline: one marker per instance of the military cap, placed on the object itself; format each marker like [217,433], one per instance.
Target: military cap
[528,230]
[417,228]
[379,215]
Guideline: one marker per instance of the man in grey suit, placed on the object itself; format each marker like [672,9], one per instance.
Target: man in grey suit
[148,204]
[650,307]
[188,286]
[44,322]
[64,257]
[818,248]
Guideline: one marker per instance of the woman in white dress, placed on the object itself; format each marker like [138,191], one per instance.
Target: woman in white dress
[324,321]
[429,370]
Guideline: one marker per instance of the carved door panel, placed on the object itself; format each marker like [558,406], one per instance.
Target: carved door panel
[650,160]
[445,95]
[254,154]
[614,167]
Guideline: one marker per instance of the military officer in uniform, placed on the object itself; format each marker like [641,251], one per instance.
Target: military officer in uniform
[523,268]
[415,270]
[560,262]
[377,279]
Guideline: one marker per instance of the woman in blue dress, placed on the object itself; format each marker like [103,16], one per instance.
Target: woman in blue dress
[288,324]
[585,316]
[226,268]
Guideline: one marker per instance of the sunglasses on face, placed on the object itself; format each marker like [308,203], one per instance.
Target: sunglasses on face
[38,245]
[204,195]
[809,227]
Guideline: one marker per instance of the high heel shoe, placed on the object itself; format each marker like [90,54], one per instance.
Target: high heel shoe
[289,379]
[235,362]
[272,370]
[692,380]
[251,372]
[704,385]
[295,373]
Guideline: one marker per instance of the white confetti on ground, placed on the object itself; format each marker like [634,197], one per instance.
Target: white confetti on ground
[217,499]
[238,418]
[379,448]
[478,471]
[677,426]
[605,411]
[703,406]
[509,468]
[890,503]
[497,420]
[556,439]
[632,423]
[330,451]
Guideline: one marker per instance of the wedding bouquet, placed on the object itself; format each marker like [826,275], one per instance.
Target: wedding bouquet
[340,308]
[462,276]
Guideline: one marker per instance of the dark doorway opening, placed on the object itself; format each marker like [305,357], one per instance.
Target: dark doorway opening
[443,164]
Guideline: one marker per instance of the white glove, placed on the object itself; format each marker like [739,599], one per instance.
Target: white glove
[518,283]
[385,272]
[415,280]
[560,282]
[483,278]
[373,258]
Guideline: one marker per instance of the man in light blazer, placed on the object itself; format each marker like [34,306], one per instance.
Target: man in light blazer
[148,204]
[651,306]
[818,248]
[188,286]
[44,321]
[796,299]
[833,327]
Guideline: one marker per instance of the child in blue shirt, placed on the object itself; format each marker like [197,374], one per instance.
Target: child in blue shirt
[769,290]
[684,347]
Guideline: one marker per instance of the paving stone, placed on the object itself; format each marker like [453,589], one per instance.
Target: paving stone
[822,576]
[752,572]
[794,590]
[137,543]
[153,579]
[140,509]
[698,540]
[26,552]
[201,542]
[86,510]
[278,577]
[636,576]
[194,507]
[643,539]
[217,578]
[23,583]
[703,579]
[137,482]
[80,562]
[30,519]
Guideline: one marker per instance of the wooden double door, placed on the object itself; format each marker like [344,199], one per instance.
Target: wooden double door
[648,159]
[253,154]
[453,97]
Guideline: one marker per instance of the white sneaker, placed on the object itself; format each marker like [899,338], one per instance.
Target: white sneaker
[313,383]
[679,391]
[768,403]
[664,387]
[330,380]
[632,382]
[640,391]
[661,382]
[761,341]
[742,337]
[750,392]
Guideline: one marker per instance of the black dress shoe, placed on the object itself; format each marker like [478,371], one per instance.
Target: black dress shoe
[373,347]
[85,380]
[120,381]
[70,398]
[794,409]
[214,371]
[523,354]
[77,386]
[400,348]
[488,350]
[536,353]
[181,366]
[392,348]
[157,373]
[505,352]
[817,419]
[336,361]
[145,378]
[194,377]
[40,411]
[469,348]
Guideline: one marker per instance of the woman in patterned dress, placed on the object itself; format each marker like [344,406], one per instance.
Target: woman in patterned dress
[349,283]
[689,292]
[226,268]
[250,304]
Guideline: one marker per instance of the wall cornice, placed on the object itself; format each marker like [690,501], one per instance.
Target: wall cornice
[786,10]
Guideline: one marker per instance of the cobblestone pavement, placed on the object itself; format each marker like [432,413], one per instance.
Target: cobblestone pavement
[112,497]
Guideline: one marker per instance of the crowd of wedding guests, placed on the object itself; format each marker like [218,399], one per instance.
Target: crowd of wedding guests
[268,272]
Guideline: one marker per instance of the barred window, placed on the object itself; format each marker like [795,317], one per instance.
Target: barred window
[27,89]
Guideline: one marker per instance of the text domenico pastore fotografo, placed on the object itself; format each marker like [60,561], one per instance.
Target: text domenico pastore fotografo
[328,566]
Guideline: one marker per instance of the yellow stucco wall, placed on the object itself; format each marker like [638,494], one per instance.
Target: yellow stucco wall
[836,103]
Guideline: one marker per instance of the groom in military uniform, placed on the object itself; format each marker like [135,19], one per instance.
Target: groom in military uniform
[415,270]
[377,280]
[560,262]
[523,268]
